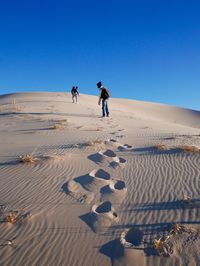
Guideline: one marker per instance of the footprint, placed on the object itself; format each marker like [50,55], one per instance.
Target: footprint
[113,133]
[113,141]
[110,155]
[83,188]
[76,191]
[116,164]
[125,147]
[120,136]
[114,192]
[100,174]
[131,238]
[103,216]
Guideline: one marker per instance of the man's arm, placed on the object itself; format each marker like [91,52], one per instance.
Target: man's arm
[99,102]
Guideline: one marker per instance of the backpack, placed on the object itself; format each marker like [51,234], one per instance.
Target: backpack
[105,94]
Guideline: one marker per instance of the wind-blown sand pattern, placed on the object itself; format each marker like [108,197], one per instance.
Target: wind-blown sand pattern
[102,191]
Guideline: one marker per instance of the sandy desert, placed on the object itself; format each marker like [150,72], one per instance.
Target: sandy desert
[77,189]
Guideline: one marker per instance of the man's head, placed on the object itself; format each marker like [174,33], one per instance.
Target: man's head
[99,84]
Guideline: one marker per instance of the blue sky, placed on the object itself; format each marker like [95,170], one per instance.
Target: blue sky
[143,50]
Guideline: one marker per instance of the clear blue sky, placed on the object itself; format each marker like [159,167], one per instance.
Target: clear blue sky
[145,50]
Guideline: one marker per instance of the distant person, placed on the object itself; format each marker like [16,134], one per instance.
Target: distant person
[75,94]
[104,95]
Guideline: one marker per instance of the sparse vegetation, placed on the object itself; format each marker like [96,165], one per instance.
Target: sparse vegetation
[161,147]
[95,142]
[15,217]
[58,126]
[176,229]
[28,158]
[187,200]
[187,148]
[163,247]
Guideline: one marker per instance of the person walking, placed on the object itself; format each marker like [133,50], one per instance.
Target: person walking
[104,95]
[75,94]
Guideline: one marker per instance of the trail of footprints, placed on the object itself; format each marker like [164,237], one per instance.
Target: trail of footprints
[100,187]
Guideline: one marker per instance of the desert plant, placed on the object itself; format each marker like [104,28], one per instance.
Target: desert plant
[58,126]
[187,148]
[187,200]
[176,229]
[13,217]
[94,142]
[163,247]
[16,216]
[28,158]
[160,147]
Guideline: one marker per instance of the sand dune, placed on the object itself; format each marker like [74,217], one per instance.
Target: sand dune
[99,191]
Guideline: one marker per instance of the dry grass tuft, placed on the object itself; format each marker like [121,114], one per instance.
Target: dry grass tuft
[176,229]
[16,216]
[13,217]
[161,147]
[158,244]
[99,129]
[162,247]
[58,126]
[186,148]
[95,142]
[28,158]
[187,200]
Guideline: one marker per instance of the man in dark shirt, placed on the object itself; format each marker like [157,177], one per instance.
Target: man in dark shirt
[103,96]
[75,94]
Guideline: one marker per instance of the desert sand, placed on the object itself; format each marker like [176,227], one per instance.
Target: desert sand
[123,190]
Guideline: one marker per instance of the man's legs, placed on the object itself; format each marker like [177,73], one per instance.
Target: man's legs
[103,107]
[107,111]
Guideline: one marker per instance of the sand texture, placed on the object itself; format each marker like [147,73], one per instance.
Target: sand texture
[80,190]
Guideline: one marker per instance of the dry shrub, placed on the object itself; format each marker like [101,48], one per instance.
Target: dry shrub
[58,126]
[13,217]
[160,147]
[162,247]
[16,216]
[28,158]
[187,148]
[176,229]
[187,200]
[94,142]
